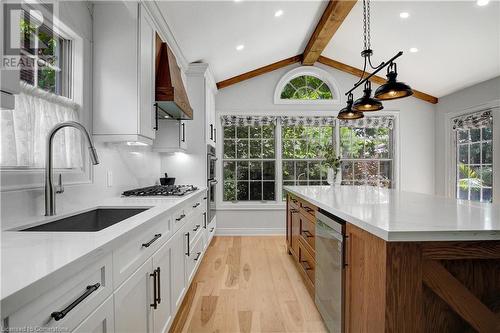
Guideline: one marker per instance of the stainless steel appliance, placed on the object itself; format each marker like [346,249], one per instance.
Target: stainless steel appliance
[330,272]
[211,182]
[161,190]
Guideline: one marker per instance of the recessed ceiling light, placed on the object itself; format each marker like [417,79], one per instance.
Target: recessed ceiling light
[404,14]
[482,2]
[240,47]
[413,49]
[278,13]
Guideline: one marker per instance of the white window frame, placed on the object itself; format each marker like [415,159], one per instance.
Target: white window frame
[279,204]
[451,154]
[22,178]
[311,71]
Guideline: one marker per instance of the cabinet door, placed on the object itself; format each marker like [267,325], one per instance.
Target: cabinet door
[178,274]
[133,311]
[162,261]
[295,234]
[147,113]
[100,321]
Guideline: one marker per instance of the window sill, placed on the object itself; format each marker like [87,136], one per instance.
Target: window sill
[251,206]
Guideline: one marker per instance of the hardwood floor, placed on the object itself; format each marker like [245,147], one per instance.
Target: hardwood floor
[248,284]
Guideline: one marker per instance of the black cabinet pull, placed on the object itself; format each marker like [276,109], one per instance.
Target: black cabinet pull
[188,253]
[155,303]
[306,265]
[215,134]
[211,131]
[180,217]
[58,315]
[183,132]
[156,117]
[197,256]
[152,240]
[196,205]
[307,233]
[344,250]
[204,220]
[158,299]
[212,230]
[204,198]
[196,227]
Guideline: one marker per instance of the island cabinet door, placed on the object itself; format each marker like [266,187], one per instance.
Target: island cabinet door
[365,257]
[295,232]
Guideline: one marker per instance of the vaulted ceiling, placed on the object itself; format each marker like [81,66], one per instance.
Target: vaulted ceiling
[458,42]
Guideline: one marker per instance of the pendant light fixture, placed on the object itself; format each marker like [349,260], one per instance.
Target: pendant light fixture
[348,113]
[393,89]
[367,103]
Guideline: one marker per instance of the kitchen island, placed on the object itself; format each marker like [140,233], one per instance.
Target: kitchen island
[412,262]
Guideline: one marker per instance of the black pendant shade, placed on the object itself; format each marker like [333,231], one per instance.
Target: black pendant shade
[348,113]
[367,103]
[393,89]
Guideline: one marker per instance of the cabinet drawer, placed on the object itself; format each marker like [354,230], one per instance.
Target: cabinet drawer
[178,218]
[102,320]
[308,232]
[308,209]
[70,302]
[307,262]
[137,248]
[294,201]
[195,254]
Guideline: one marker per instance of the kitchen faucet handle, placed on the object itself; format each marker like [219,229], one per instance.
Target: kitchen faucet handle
[60,187]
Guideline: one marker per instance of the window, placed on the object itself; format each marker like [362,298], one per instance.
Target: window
[474,156]
[45,57]
[306,85]
[303,146]
[366,149]
[249,158]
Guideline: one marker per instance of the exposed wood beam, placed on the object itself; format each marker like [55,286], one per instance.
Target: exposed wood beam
[375,79]
[459,298]
[259,71]
[335,13]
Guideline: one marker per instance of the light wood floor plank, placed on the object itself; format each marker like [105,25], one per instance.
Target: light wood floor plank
[249,284]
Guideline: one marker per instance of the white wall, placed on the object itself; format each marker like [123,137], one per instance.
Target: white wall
[485,94]
[129,168]
[415,140]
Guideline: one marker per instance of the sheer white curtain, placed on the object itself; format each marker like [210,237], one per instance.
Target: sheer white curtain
[24,130]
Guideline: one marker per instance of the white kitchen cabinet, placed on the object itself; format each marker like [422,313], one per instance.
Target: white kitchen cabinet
[133,310]
[162,263]
[102,320]
[9,78]
[178,249]
[123,73]
[171,136]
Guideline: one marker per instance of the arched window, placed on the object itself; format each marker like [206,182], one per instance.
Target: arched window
[306,85]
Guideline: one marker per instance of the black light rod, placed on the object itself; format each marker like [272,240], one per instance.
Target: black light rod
[399,54]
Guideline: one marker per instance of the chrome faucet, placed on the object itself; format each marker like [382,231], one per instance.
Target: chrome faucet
[50,193]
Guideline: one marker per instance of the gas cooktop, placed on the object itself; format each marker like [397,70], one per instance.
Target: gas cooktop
[161,190]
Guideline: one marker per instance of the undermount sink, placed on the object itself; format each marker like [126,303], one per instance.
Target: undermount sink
[93,220]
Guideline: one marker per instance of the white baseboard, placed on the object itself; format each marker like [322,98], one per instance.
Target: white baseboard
[250,231]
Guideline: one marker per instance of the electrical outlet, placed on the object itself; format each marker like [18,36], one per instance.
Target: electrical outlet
[109,179]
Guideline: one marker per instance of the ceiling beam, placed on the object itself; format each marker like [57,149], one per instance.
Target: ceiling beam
[259,71]
[335,13]
[375,79]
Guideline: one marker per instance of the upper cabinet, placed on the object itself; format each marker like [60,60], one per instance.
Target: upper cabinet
[124,73]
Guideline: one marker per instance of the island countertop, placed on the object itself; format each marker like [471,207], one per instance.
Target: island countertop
[405,216]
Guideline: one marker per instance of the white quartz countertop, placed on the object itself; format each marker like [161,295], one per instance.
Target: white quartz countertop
[405,216]
[30,256]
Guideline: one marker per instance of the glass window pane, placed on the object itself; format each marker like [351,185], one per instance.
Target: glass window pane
[347,170]
[475,153]
[314,170]
[463,193]
[463,136]
[267,148]
[255,170]
[242,170]
[229,132]
[242,132]
[475,194]
[288,170]
[229,170]
[255,132]
[255,148]
[475,134]
[269,191]
[487,152]
[463,153]
[268,132]
[487,195]
[268,170]
[242,191]
[287,149]
[255,190]
[229,191]
[487,133]
[301,170]
[242,148]
[229,149]
[487,176]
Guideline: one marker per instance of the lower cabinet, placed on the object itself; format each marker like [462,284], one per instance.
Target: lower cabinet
[100,321]
[162,266]
[133,300]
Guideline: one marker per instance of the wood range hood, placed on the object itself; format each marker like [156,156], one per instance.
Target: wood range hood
[170,94]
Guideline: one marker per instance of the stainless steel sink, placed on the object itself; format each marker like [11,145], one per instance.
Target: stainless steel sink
[93,220]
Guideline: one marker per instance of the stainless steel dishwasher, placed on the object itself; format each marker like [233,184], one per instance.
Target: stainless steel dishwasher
[330,275]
